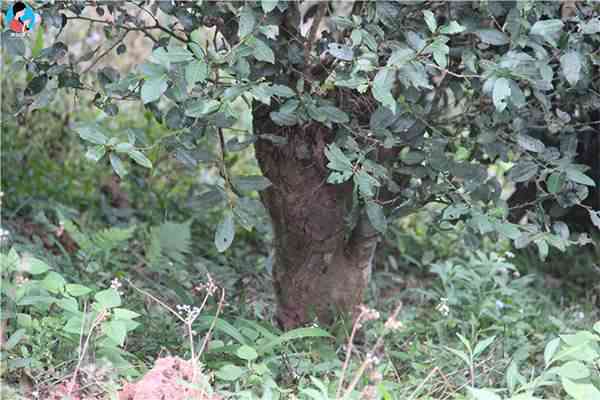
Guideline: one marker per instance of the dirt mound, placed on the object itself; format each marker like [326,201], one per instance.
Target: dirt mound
[171,378]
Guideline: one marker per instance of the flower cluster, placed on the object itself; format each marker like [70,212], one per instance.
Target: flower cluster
[443,307]
[188,312]
[117,285]
[209,286]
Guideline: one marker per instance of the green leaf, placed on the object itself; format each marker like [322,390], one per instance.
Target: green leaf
[34,266]
[571,64]
[382,87]
[91,133]
[550,350]
[283,119]
[366,183]
[573,370]
[95,153]
[401,56]
[122,313]
[452,28]
[555,182]
[493,37]
[262,52]
[575,175]
[595,217]
[530,144]
[298,333]
[580,391]
[501,93]
[247,22]
[334,114]
[116,330]
[200,108]
[117,165]
[430,20]
[153,88]
[281,91]
[54,282]
[247,353]
[341,52]
[268,5]
[196,71]
[178,54]
[77,290]
[547,29]
[140,158]
[483,394]
[225,232]
[69,304]
[483,345]
[376,216]
[14,339]
[230,372]
[108,298]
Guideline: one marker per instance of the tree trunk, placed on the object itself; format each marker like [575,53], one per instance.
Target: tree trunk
[320,269]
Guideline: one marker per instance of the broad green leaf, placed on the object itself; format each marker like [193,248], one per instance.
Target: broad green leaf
[262,52]
[196,71]
[153,88]
[591,27]
[482,345]
[493,37]
[95,153]
[33,265]
[54,282]
[501,93]
[555,182]
[108,298]
[430,20]
[230,372]
[580,391]
[548,29]
[268,5]
[247,21]
[247,353]
[91,133]
[334,114]
[511,231]
[483,394]
[382,87]
[401,56]
[530,144]
[200,108]
[376,216]
[281,91]
[122,313]
[366,183]
[140,158]
[14,339]
[550,350]
[575,175]
[341,52]
[68,304]
[452,28]
[116,330]
[595,217]
[77,290]
[574,370]
[571,64]
[178,54]
[117,165]
[225,232]
[283,119]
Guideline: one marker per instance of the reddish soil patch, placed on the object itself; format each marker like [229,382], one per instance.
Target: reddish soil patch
[165,381]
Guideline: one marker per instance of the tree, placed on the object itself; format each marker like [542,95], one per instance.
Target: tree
[360,113]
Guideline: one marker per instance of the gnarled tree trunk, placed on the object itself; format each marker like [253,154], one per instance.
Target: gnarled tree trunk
[320,269]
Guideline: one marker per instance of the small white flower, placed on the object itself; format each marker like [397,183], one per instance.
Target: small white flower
[500,305]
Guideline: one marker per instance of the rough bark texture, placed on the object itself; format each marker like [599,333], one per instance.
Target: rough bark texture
[319,269]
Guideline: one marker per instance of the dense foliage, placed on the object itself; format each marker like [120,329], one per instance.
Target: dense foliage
[454,134]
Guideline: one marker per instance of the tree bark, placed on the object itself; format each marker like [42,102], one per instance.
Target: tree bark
[320,269]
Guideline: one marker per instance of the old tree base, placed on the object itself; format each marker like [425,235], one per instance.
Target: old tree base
[320,269]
